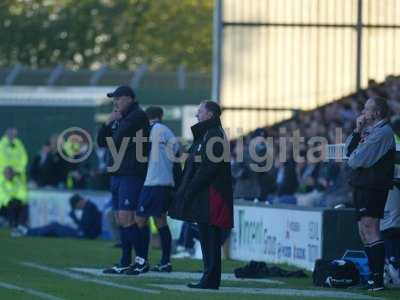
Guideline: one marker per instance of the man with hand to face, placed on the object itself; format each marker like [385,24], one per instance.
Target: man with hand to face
[127,167]
[371,157]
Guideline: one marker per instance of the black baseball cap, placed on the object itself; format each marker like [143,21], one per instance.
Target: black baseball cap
[122,91]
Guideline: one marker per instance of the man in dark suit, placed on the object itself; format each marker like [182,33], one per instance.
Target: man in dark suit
[205,194]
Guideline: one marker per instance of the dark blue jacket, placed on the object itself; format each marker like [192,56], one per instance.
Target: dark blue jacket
[90,223]
[132,122]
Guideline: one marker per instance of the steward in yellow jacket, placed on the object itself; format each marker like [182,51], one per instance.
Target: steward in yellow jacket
[13,153]
[14,197]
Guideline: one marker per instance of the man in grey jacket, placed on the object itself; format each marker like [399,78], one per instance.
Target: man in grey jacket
[371,157]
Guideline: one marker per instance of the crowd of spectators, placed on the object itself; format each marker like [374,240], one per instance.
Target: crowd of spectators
[308,183]
[320,183]
[50,169]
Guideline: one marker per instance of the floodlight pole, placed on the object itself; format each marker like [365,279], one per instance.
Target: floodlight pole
[181,74]
[94,80]
[55,74]
[217,51]
[359,30]
[137,75]
[12,76]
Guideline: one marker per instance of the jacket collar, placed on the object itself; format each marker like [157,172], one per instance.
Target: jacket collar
[132,107]
[381,123]
[201,128]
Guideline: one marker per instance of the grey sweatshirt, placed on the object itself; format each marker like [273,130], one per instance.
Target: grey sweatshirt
[378,142]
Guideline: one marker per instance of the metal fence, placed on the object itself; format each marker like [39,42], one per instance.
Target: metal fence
[299,54]
[142,77]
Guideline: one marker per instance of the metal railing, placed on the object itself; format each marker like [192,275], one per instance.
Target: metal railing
[180,79]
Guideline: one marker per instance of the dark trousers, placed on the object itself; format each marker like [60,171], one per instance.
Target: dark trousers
[210,240]
[54,230]
[189,232]
[3,212]
[17,213]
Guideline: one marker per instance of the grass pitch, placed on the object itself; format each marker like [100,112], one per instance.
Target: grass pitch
[41,268]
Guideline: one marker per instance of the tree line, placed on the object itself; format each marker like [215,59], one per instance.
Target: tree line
[121,33]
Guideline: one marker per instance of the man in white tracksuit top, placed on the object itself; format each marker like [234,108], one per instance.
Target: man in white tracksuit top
[157,191]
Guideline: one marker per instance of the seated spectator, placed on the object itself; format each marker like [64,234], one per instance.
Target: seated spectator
[286,178]
[75,147]
[98,175]
[13,197]
[286,182]
[317,181]
[88,226]
[48,168]
[308,176]
[246,180]
[327,175]
[346,113]
[338,192]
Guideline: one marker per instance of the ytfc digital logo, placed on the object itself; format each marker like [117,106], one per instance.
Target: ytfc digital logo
[74,144]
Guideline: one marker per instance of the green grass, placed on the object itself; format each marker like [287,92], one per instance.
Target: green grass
[66,253]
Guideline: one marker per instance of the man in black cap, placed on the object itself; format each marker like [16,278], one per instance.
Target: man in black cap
[124,135]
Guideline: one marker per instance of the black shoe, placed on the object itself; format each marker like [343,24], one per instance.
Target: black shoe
[141,266]
[201,286]
[116,269]
[376,283]
[167,268]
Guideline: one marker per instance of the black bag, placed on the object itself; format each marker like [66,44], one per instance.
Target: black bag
[258,269]
[254,269]
[335,273]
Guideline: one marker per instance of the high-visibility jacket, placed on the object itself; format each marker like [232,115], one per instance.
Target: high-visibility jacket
[15,188]
[13,154]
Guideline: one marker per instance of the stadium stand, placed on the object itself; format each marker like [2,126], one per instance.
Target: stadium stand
[320,184]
